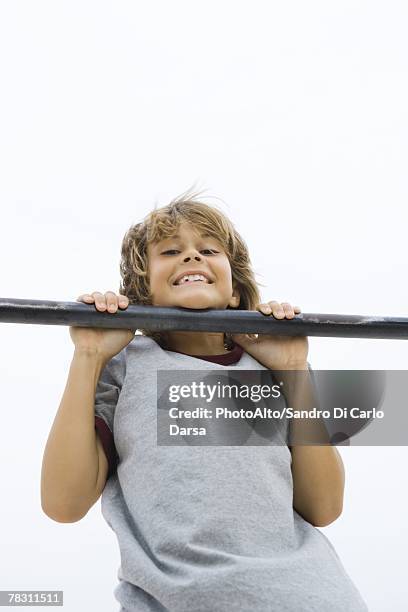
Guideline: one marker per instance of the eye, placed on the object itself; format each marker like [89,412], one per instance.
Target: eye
[175,251]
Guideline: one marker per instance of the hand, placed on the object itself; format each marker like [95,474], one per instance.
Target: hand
[104,342]
[276,352]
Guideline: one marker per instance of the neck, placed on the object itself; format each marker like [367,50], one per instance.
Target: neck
[196,343]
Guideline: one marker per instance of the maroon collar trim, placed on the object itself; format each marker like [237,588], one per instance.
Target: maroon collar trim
[225,359]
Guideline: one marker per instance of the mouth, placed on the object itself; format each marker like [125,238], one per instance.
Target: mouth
[190,283]
[192,279]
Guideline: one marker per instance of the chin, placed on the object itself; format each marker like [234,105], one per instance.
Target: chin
[192,304]
[195,302]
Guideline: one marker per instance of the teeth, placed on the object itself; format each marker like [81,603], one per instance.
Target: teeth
[192,277]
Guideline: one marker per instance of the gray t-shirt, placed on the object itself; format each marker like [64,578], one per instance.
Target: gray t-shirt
[205,528]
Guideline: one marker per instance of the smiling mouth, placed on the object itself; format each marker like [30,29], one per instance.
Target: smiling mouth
[196,282]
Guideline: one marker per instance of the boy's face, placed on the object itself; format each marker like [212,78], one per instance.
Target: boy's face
[172,258]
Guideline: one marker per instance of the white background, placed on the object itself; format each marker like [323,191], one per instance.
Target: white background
[294,114]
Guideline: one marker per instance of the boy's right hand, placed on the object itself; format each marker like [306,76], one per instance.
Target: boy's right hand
[104,342]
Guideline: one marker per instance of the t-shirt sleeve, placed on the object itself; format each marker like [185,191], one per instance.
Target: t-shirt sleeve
[106,398]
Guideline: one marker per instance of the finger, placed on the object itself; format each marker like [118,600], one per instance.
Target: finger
[123,301]
[267,307]
[111,301]
[85,297]
[288,309]
[100,300]
[264,308]
[245,339]
[277,309]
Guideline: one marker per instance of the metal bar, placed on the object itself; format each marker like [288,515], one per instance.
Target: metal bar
[157,318]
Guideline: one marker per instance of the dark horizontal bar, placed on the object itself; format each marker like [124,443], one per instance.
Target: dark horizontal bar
[157,318]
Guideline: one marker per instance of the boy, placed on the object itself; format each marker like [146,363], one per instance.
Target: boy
[200,529]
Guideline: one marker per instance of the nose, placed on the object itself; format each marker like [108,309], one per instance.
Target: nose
[196,257]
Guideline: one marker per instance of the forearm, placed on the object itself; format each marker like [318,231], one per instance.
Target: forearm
[317,471]
[318,483]
[70,462]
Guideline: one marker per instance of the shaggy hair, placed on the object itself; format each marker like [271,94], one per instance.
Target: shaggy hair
[162,223]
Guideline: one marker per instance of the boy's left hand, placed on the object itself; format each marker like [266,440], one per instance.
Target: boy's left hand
[276,352]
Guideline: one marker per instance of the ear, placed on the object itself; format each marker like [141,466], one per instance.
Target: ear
[235,298]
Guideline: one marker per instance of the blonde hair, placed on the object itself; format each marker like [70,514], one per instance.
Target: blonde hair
[162,223]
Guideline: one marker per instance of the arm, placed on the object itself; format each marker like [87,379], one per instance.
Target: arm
[318,471]
[74,466]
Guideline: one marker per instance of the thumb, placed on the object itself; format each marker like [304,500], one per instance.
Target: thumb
[244,339]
